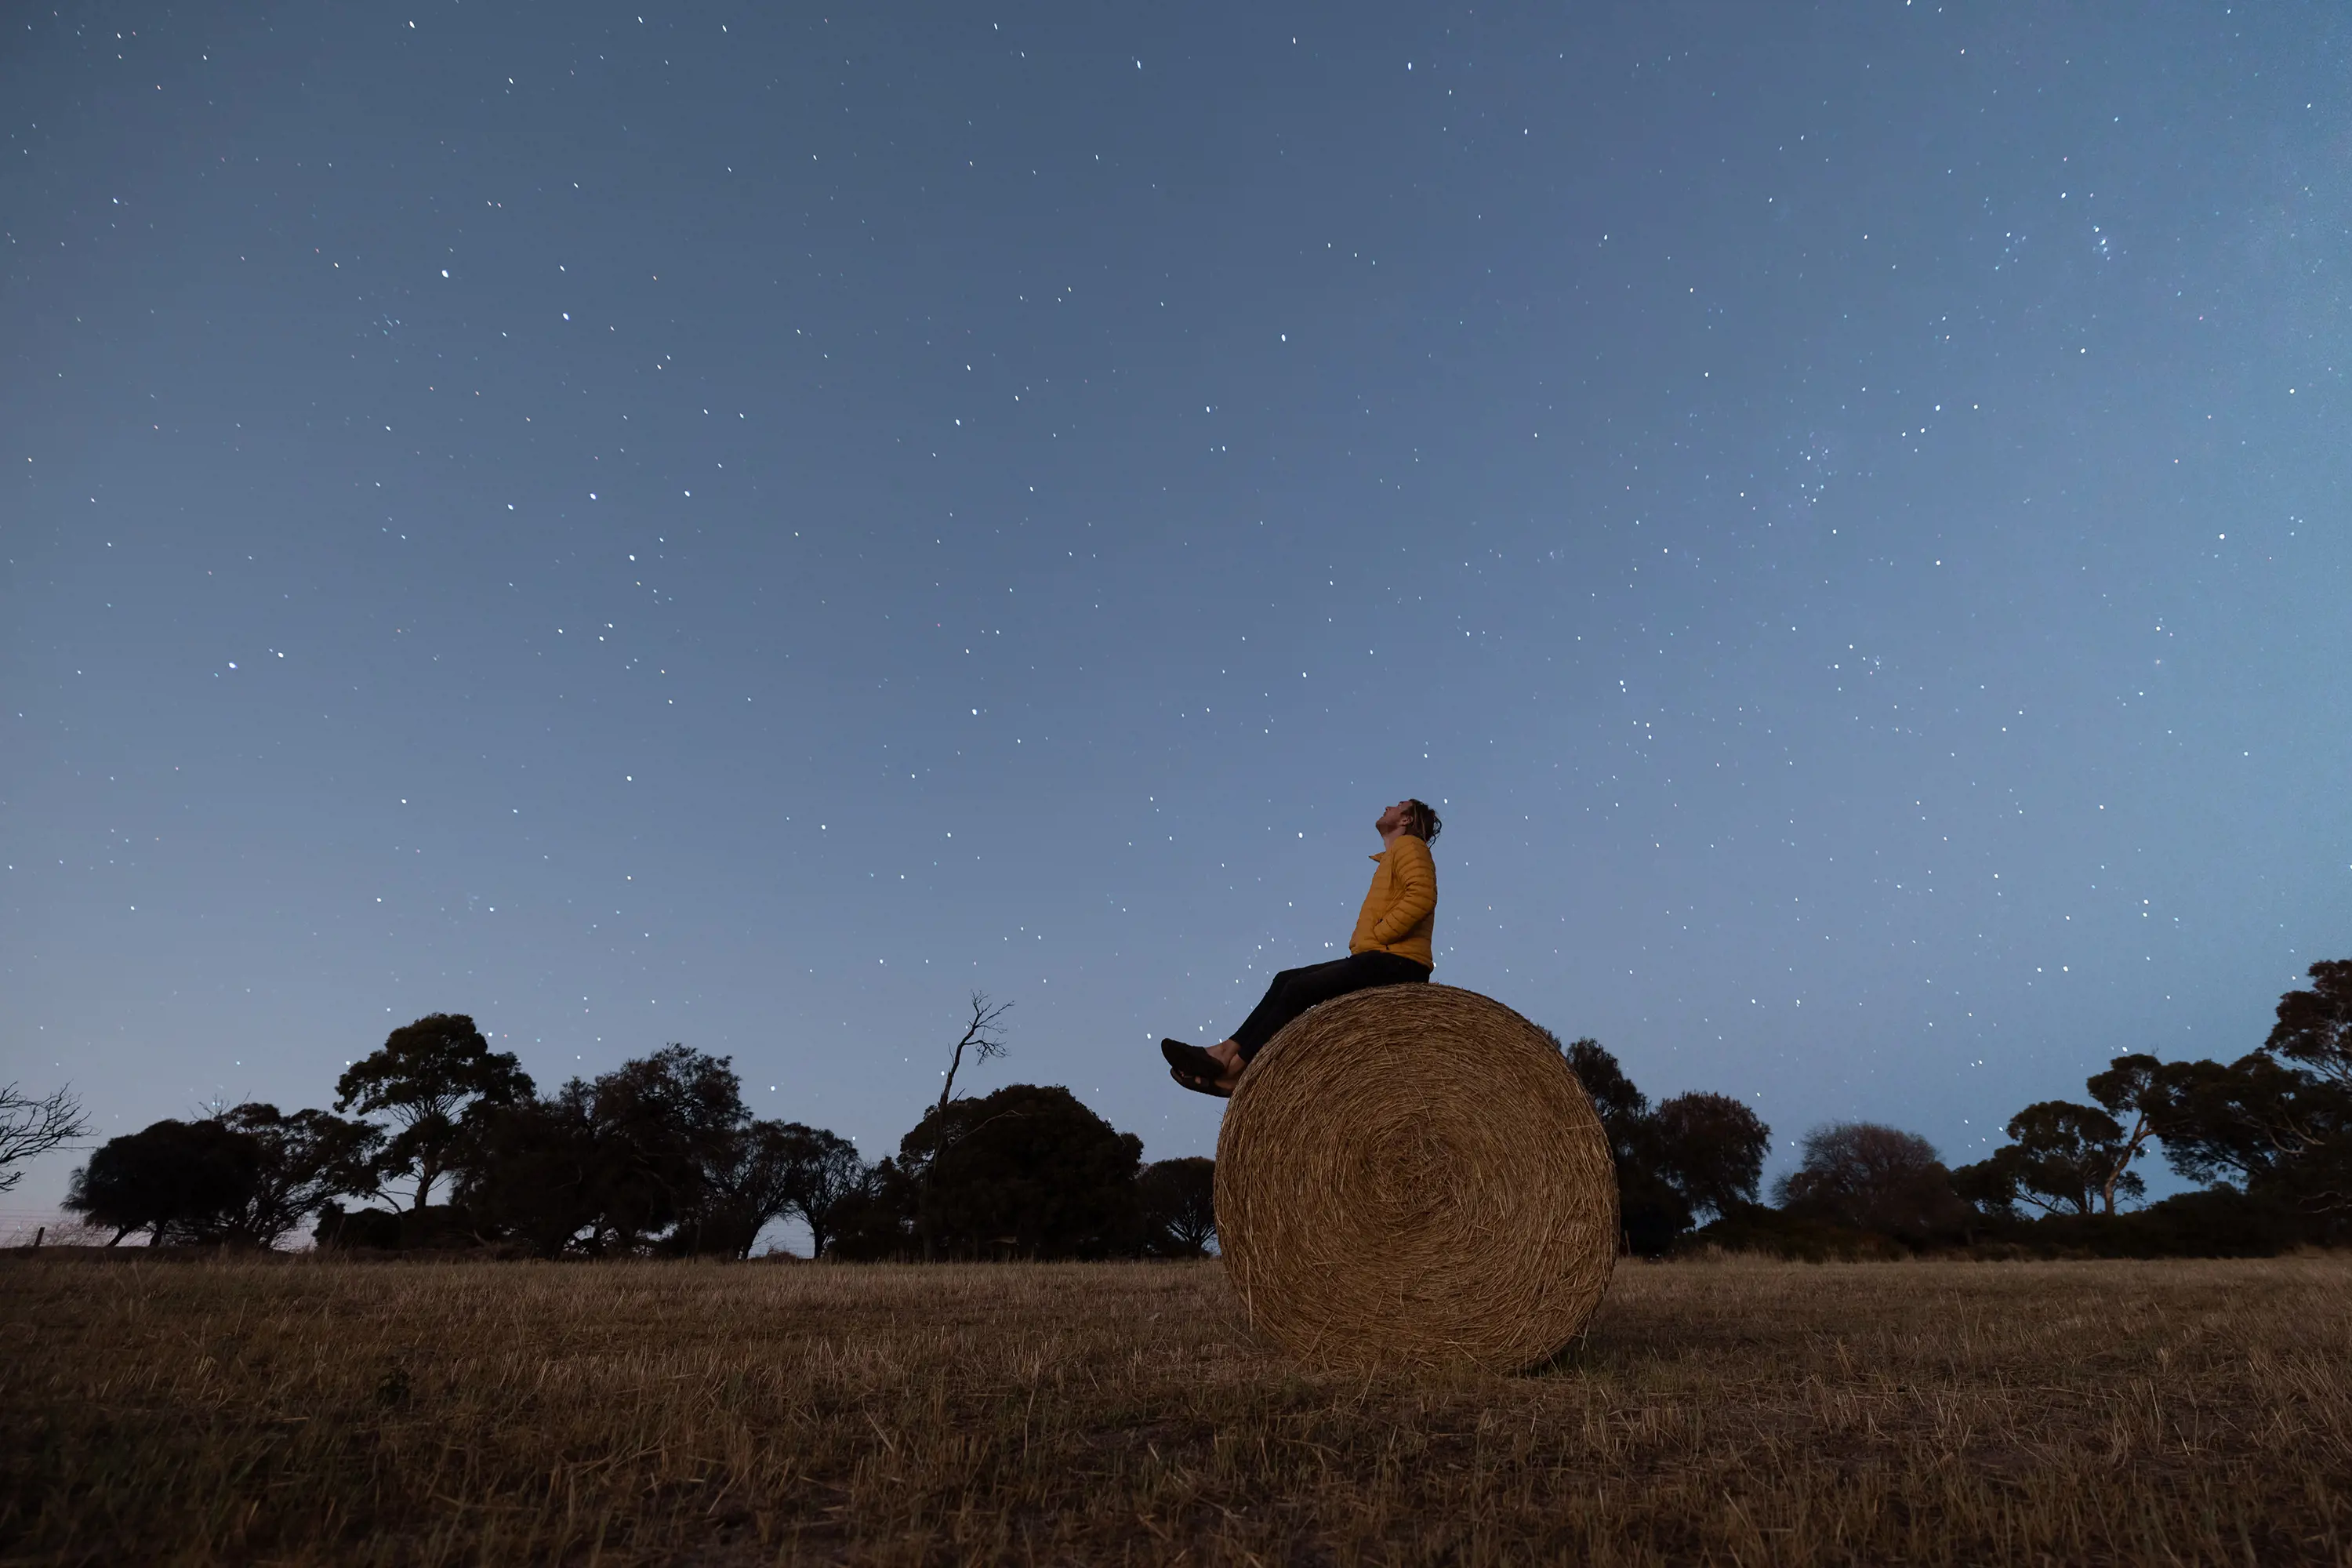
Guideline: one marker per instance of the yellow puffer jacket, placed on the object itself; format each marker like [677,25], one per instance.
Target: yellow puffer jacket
[1401,910]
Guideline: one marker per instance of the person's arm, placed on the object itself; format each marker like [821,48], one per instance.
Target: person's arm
[1412,889]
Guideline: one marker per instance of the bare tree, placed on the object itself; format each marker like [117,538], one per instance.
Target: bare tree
[30,1127]
[983,1036]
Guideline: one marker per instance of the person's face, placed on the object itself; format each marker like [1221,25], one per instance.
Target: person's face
[1393,820]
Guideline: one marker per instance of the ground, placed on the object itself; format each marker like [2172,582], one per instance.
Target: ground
[295,1410]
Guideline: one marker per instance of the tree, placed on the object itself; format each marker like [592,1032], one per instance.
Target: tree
[983,1036]
[669,1129]
[1178,1201]
[877,1221]
[2064,1158]
[657,1155]
[1711,1150]
[1614,1094]
[303,1159]
[2127,1091]
[2314,1026]
[749,1183]
[1988,1187]
[823,1175]
[534,1173]
[778,1168]
[31,1127]
[1874,1178]
[1649,1212]
[1026,1171]
[427,1077]
[2271,1130]
[183,1182]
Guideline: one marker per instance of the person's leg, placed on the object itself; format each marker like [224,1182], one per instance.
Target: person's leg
[1274,1009]
[1296,990]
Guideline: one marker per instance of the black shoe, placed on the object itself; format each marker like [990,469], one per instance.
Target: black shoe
[1198,1085]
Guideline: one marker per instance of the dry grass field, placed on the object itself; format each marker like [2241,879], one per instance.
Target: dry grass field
[301,1410]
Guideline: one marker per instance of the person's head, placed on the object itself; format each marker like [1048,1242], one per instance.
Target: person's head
[1417,817]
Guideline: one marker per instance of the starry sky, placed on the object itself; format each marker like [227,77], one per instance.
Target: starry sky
[733,524]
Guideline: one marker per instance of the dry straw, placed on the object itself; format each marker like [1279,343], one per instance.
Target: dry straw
[1413,1173]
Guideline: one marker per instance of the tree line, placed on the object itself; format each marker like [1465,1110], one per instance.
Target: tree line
[660,1156]
[657,1157]
[2265,1139]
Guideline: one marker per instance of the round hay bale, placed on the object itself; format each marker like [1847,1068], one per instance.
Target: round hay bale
[1413,1173]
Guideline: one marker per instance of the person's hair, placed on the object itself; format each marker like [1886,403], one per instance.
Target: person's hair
[1424,822]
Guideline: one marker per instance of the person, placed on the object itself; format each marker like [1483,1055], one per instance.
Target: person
[1391,947]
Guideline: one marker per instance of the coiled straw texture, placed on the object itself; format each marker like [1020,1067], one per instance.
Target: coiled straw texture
[1413,1174]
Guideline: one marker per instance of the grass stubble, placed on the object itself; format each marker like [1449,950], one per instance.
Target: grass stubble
[299,1410]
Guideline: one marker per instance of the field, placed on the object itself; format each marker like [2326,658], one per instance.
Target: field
[291,1410]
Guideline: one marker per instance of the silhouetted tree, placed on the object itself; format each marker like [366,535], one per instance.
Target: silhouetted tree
[426,1077]
[983,1036]
[1987,1189]
[2277,1122]
[667,1128]
[1872,1178]
[534,1173]
[775,1169]
[2127,1092]
[657,1155]
[2066,1158]
[188,1183]
[2269,1129]
[1621,1105]
[748,1183]
[1025,1172]
[1178,1200]
[824,1173]
[2314,1028]
[304,1159]
[1711,1150]
[876,1221]
[1651,1213]
[32,1125]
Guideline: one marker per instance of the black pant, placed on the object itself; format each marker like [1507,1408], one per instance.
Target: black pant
[1296,990]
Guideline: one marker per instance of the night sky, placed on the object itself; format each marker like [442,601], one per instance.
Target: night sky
[730,525]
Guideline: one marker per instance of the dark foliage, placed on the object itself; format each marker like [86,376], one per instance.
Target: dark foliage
[825,1174]
[427,1077]
[2274,1130]
[247,1177]
[2219,1222]
[660,1156]
[1697,1154]
[670,1134]
[185,1183]
[1783,1233]
[441,1228]
[1179,1199]
[1875,1178]
[2064,1158]
[304,1159]
[1650,1212]
[1711,1150]
[2314,1026]
[534,1174]
[1026,1171]
[877,1222]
